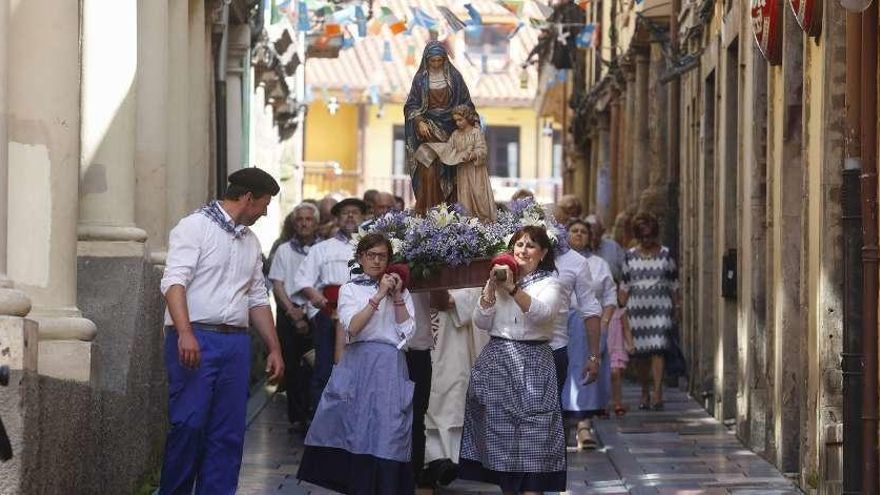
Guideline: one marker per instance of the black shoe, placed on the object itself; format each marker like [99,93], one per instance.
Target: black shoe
[446,472]
[425,479]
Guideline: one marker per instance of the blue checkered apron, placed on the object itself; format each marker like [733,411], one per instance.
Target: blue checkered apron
[512,419]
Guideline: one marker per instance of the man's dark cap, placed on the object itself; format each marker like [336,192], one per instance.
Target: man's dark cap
[349,202]
[254,180]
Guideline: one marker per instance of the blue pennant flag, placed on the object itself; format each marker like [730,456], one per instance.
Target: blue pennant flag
[585,37]
[361,21]
[302,14]
[476,18]
[421,18]
[386,51]
[455,24]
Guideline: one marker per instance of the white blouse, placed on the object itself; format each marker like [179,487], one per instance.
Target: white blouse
[603,282]
[382,325]
[505,319]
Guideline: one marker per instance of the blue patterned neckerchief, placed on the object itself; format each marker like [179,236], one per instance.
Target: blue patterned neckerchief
[341,236]
[213,211]
[534,277]
[303,249]
[365,281]
[586,253]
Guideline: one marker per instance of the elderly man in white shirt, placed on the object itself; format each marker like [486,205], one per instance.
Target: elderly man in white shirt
[318,279]
[214,290]
[293,326]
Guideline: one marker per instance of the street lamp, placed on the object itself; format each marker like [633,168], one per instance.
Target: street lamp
[855,6]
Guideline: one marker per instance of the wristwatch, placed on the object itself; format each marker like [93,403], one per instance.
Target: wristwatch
[514,291]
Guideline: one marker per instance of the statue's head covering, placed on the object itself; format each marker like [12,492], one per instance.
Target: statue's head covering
[433,49]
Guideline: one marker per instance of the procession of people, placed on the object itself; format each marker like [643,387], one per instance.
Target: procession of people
[392,389]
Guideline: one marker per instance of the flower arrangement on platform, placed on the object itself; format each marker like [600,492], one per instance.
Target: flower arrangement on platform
[448,238]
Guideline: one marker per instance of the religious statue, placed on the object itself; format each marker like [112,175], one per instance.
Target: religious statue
[437,88]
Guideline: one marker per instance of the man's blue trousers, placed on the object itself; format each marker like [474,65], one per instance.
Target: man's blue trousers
[206,408]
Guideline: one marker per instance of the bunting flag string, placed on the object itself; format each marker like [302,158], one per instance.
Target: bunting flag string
[455,24]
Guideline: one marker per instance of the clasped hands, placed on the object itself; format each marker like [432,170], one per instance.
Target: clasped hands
[390,285]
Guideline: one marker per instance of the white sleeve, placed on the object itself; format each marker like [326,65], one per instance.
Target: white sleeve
[348,305]
[183,253]
[408,328]
[588,304]
[545,305]
[280,262]
[309,272]
[484,317]
[258,295]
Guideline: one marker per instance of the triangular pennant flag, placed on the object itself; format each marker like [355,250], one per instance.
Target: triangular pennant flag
[421,18]
[310,94]
[515,7]
[583,4]
[545,9]
[361,20]
[344,16]
[386,51]
[347,42]
[476,18]
[584,39]
[302,13]
[374,94]
[455,24]
[374,28]
[411,55]
[332,29]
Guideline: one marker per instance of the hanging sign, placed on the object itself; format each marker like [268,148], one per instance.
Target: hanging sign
[808,14]
[767,25]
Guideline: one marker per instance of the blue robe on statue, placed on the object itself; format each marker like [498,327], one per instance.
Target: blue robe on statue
[434,107]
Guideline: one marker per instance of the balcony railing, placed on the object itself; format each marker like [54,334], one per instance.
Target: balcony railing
[322,178]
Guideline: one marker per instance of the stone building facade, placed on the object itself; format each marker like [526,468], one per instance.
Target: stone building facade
[744,162]
[108,135]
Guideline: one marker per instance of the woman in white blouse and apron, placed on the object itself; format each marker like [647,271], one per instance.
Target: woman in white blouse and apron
[513,430]
[360,439]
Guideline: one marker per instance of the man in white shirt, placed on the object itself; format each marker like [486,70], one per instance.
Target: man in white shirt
[214,290]
[321,273]
[293,326]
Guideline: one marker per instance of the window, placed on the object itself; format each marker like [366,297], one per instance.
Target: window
[503,145]
[398,153]
[488,47]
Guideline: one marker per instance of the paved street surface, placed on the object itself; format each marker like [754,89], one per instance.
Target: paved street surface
[677,451]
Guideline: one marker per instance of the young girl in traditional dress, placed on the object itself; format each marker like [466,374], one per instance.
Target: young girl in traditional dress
[360,439]
[620,345]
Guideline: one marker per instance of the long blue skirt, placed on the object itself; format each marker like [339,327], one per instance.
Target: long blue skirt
[360,440]
[581,401]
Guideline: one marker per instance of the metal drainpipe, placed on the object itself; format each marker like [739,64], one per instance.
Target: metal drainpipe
[851,357]
[869,250]
[220,101]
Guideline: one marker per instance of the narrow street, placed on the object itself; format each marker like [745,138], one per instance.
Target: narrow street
[678,451]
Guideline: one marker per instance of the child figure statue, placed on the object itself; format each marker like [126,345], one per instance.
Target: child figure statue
[466,150]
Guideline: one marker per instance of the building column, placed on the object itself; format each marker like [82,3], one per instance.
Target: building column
[177,173]
[107,172]
[239,45]
[12,302]
[603,168]
[151,138]
[43,152]
[628,136]
[640,155]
